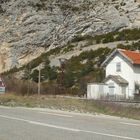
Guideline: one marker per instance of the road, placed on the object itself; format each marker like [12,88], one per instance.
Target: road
[44,124]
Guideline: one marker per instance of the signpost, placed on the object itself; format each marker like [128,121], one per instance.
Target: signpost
[2,87]
[2,90]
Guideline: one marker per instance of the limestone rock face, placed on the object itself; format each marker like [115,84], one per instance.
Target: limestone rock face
[30,27]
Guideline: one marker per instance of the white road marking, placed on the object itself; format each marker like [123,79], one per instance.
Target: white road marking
[39,123]
[130,124]
[110,135]
[68,129]
[56,114]
[54,126]
[13,118]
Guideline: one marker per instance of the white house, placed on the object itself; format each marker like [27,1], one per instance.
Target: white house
[122,74]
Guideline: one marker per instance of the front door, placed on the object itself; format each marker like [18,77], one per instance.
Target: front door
[111,88]
[124,91]
[111,91]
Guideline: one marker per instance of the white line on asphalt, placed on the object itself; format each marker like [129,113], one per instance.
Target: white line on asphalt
[130,124]
[56,114]
[68,129]
[39,123]
[110,135]
[54,126]
[13,118]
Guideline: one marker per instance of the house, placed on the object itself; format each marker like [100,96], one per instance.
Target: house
[2,87]
[122,74]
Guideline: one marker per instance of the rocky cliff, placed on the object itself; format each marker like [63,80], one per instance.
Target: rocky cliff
[30,27]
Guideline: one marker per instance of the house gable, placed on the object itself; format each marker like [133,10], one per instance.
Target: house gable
[113,55]
[125,67]
[117,79]
[132,57]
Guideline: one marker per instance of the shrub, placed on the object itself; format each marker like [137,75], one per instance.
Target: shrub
[68,48]
[20,87]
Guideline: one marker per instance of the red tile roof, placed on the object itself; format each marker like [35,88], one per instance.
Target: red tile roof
[132,56]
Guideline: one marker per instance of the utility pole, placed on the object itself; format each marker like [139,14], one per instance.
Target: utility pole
[28,69]
[39,79]
[63,62]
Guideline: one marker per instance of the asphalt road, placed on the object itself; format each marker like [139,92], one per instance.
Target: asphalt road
[44,124]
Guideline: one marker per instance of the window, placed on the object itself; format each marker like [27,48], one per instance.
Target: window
[118,67]
[123,90]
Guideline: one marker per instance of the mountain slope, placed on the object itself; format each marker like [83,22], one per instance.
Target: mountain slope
[30,27]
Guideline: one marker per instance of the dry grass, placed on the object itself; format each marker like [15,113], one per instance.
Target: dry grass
[77,105]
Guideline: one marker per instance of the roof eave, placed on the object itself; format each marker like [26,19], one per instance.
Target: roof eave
[111,77]
[136,64]
[126,57]
[108,59]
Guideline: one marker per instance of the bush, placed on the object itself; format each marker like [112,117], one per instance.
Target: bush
[133,46]
[20,87]
[68,48]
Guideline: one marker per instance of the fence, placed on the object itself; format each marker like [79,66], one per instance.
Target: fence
[113,97]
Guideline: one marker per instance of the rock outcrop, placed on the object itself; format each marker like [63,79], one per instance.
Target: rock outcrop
[30,27]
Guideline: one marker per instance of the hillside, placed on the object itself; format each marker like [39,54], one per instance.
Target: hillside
[82,65]
[29,28]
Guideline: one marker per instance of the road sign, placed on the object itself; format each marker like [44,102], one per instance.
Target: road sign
[2,90]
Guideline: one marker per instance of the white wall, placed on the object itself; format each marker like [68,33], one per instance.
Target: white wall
[101,91]
[126,72]
[94,91]
[137,74]
[116,89]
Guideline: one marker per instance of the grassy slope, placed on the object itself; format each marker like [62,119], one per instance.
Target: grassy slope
[78,105]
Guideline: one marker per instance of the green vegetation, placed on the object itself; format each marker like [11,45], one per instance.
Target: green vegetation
[75,8]
[69,7]
[69,104]
[84,68]
[132,47]
[47,72]
[72,80]
[79,69]
[124,35]
[76,69]
[81,38]
[68,48]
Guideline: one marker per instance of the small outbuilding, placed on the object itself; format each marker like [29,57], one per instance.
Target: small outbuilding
[96,90]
